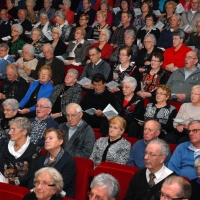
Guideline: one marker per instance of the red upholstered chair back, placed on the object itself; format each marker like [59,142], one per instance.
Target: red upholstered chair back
[130,139]
[177,104]
[97,133]
[82,182]
[78,68]
[122,173]
[172,147]
[12,192]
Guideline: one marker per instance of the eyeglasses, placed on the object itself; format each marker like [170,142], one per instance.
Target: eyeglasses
[43,184]
[81,19]
[55,32]
[39,106]
[122,55]
[14,30]
[96,197]
[155,61]
[147,42]
[193,130]
[163,196]
[73,116]
[92,55]
[189,57]
[150,155]
[44,74]
[97,85]
[195,94]
[126,87]
[13,129]
[157,93]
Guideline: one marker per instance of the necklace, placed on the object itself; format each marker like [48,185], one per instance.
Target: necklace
[51,158]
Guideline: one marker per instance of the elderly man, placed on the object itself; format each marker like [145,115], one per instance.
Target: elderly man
[190,17]
[5,59]
[80,137]
[41,122]
[183,158]
[26,24]
[97,65]
[165,39]
[152,130]
[147,182]
[182,80]
[57,66]
[175,187]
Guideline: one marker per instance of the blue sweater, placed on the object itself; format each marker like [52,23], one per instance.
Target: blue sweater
[182,161]
[3,64]
[137,155]
[45,91]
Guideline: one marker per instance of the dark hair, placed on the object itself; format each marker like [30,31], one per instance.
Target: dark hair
[95,48]
[87,17]
[158,55]
[180,33]
[127,1]
[128,13]
[152,15]
[128,49]
[98,77]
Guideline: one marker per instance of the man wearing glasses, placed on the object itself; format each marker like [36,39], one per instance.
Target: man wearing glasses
[183,158]
[80,137]
[146,183]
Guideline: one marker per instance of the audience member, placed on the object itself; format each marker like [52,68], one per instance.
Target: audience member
[173,57]
[182,80]
[41,122]
[38,89]
[98,3]
[186,4]
[11,9]
[147,182]
[31,15]
[69,13]
[47,9]
[113,148]
[56,4]
[59,159]
[65,93]
[80,137]
[5,59]
[57,66]
[19,155]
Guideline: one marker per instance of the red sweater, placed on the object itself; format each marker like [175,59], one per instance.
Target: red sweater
[69,17]
[176,57]
[98,2]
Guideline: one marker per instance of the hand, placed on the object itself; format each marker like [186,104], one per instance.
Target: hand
[88,61]
[7,180]
[180,128]
[88,86]
[2,96]
[20,65]
[24,111]
[142,69]
[55,115]
[141,94]
[98,113]
[147,63]
[69,62]
[113,90]
[147,94]
[170,67]
[180,97]
[189,31]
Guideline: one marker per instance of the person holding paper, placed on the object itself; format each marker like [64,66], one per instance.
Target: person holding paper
[190,17]
[97,98]
[113,148]
[187,112]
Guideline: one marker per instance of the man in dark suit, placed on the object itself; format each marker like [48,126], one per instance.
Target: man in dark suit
[57,66]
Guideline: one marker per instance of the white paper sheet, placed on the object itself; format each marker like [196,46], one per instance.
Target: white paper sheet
[180,121]
[6,38]
[179,8]
[90,111]
[137,11]
[84,81]
[116,10]
[157,12]
[159,25]
[61,58]
[110,112]
[112,84]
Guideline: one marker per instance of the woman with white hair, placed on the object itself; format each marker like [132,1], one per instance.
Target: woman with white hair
[27,62]
[48,10]
[31,15]
[105,186]
[15,43]
[48,185]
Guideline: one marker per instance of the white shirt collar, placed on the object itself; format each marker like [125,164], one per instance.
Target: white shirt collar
[81,42]
[153,28]
[98,62]
[6,57]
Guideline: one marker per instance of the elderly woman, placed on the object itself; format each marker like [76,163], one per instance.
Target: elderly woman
[143,60]
[48,184]
[83,23]
[196,182]
[58,158]
[104,46]
[19,155]
[62,23]
[44,24]
[170,7]
[101,20]
[107,186]
[65,93]
[57,44]
[187,113]
[31,15]
[66,9]
[140,20]
[11,9]
[38,89]
[27,62]
[113,148]
[149,28]
[15,43]
[48,10]
[153,77]
[129,37]
[174,56]
[76,51]
[125,68]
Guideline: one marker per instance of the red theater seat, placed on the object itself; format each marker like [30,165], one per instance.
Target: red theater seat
[172,147]
[78,68]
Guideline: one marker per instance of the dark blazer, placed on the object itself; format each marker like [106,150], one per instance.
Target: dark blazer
[80,51]
[60,48]
[57,67]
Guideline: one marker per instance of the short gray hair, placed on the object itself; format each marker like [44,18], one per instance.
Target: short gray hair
[49,46]
[58,29]
[164,147]
[30,48]
[197,163]
[23,123]
[130,32]
[107,32]
[68,2]
[109,182]
[75,105]
[74,71]
[48,102]
[44,14]
[18,27]
[5,46]
[179,32]
[55,175]
[152,37]
[40,33]
[12,102]
[131,80]
[177,15]
[60,14]
[196,87]
[194,122]
[31,1]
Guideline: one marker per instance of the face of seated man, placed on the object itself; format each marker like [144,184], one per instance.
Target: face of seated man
[48,53]
[3,52]
[11,74]
[99,86]
[42,109]
[73,117]
[94,56]
[9,112]
[3,15]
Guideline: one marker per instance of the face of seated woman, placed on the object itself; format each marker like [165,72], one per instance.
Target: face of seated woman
[195,96]
[127,89]
[70,79]
[161,96]
[155,63]
[43,20]
[44,76]
[78,35]
[115,131]
[9,112]
[35,36]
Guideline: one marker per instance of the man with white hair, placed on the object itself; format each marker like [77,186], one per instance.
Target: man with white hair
[80,137]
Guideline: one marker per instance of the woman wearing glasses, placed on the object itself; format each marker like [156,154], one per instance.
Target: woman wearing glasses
[19,155]
[38,89]
[187,113]
[48,185]
[58,158]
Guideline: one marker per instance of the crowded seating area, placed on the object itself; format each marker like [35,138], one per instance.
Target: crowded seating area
[100,99]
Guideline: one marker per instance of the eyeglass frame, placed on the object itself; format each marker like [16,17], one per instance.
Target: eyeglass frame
[169,198]
[36,183]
